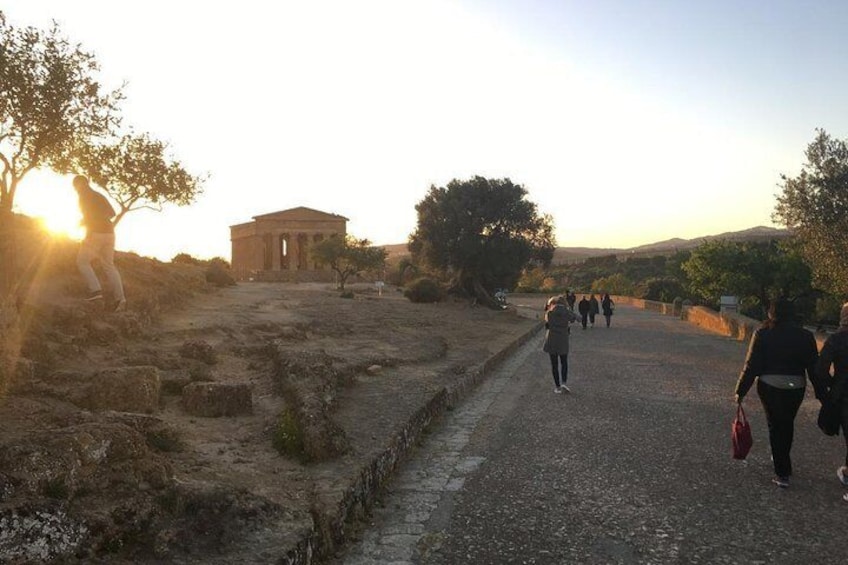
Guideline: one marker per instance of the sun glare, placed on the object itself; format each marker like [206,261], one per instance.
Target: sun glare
[51,199]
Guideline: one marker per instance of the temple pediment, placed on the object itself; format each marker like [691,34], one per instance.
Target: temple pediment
[300,213]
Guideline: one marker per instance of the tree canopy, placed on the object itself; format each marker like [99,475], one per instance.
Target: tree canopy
[756,272]
[136,172]
[348,256]
[482,233]
[50,101]
[814,205]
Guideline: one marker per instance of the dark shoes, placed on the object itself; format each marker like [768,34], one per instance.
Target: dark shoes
[782,482]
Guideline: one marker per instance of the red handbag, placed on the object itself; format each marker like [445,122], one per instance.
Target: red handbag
[740,434]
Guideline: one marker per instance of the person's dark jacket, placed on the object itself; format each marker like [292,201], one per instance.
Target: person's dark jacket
[782,349]
[583,306]
[834,352]
[593,306]
[97,213]
[556,322]
[606,305]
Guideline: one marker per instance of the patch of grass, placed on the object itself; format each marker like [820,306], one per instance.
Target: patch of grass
[347,294]
[287,436]
[56,489]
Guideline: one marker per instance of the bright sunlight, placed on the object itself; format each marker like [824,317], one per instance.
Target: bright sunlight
[51,198]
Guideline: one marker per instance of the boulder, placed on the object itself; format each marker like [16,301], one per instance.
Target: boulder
[124,389]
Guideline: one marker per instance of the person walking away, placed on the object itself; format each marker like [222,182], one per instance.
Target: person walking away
[834,353]
[583,308]
[781,356]
[557,320]
[607,305]
[99,244]
[594,310]
[571,298]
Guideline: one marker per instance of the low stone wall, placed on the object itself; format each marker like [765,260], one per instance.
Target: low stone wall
[729,324]
[329,526]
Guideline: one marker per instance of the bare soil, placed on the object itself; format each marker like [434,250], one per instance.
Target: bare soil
[196,489]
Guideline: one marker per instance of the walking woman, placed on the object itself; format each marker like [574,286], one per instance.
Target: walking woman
[557,319]
[607,306]
[781,356]
[835,353]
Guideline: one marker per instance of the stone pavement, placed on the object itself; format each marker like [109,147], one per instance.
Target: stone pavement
[633,467]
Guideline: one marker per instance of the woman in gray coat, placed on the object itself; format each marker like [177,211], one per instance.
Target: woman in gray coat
[557,319]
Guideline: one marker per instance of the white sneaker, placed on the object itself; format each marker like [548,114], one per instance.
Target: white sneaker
[566,389]
[558,390]
[840,472]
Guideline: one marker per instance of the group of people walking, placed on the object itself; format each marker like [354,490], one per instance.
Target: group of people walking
[782,357]
[559,315]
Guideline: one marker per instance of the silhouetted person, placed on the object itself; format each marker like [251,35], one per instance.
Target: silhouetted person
[571,298]
[594,310]
[99,244]
[834,353]
[607,306]
[557,319]
[583,308]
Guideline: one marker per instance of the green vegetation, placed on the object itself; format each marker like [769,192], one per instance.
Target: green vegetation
[287,436]
[480,235]
[424,290]
[814,206]
[348,256]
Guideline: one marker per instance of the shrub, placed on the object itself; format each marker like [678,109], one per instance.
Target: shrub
[347,294]
[424,290]
[219,275]
[287,436]
[185,259]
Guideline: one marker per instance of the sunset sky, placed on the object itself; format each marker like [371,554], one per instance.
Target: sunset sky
[629,121]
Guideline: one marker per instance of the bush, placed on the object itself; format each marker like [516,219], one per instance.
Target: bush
[185,259]
[424,290]
[287,436]
[219,275]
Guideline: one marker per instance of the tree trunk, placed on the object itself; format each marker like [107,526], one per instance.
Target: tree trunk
[8,255]
[483,296]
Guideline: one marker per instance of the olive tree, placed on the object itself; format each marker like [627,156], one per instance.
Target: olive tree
[482,233]
[814,206]
[50,101]
[136,171]
[348,256]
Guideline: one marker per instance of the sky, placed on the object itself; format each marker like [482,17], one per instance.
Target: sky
[628,121]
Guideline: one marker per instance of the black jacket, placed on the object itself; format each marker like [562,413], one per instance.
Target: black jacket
[782,349]
[834,352]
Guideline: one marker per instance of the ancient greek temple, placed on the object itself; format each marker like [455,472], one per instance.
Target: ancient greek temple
[275,246]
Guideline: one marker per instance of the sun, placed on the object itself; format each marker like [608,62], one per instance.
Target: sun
[50,198]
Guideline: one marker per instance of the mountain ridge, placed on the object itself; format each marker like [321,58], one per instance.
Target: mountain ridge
[565,254]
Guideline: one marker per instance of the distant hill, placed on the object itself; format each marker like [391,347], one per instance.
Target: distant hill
[667,247]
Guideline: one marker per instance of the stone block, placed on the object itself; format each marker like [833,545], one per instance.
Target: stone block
[125,389]
[217,399]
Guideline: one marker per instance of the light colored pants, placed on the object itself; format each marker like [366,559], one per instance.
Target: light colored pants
[100,246]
